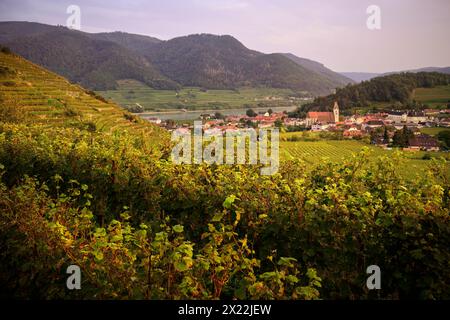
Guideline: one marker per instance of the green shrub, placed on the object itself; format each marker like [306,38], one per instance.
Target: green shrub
[70,112]
[336,219]
[426,156]
[122,261]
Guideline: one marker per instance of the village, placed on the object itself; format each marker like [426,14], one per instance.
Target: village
[385,129]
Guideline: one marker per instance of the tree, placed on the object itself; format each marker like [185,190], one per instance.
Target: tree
[401,137]
[170,123]
[386,136]
[444,138]
[297,113]
[219,115]
[407,134]
[397,139]
[251,113]
[251,124]
[373,137]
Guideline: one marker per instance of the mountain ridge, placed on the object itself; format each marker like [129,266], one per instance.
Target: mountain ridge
[204,60]
[93,63]
[365,76]
[319,68]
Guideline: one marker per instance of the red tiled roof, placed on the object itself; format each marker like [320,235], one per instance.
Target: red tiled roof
[423,141]
[321,116]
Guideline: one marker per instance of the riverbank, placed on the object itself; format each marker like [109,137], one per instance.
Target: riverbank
[193,115]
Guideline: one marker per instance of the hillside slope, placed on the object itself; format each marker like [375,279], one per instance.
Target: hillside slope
[334,77]
[93,63]
[30,94]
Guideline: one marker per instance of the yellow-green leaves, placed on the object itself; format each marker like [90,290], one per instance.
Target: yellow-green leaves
[182,257]
[229,201]
[178,228]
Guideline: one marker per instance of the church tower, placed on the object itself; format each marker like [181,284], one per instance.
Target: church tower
[336,112]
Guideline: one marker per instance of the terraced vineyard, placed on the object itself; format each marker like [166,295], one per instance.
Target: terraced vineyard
[50,100]
[315,152]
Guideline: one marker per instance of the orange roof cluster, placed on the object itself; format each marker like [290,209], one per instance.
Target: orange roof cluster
[321,116]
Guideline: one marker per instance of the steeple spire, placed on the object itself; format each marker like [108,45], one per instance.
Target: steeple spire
[336,111]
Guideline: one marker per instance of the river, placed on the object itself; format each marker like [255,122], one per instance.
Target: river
[194,115]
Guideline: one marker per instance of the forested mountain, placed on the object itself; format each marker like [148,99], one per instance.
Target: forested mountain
[99,60]
[392,88]
[96,64]
[203,60]
[16,29]
[223,62]
[138,43]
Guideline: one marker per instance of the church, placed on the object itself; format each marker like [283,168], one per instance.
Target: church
[314,117]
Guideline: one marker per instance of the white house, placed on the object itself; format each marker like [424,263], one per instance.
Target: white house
[397,116]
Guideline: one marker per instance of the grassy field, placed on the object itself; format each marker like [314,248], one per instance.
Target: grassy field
[132,92]
[433,131]
[434,97]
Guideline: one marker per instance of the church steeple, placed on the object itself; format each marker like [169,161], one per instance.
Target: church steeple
[336,111]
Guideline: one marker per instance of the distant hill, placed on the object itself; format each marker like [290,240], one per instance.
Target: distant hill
[365,76]
[445,70]
[98,60]
[360,76]
[395,88]
[334,77]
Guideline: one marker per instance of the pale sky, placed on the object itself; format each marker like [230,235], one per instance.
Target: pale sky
[413,34]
